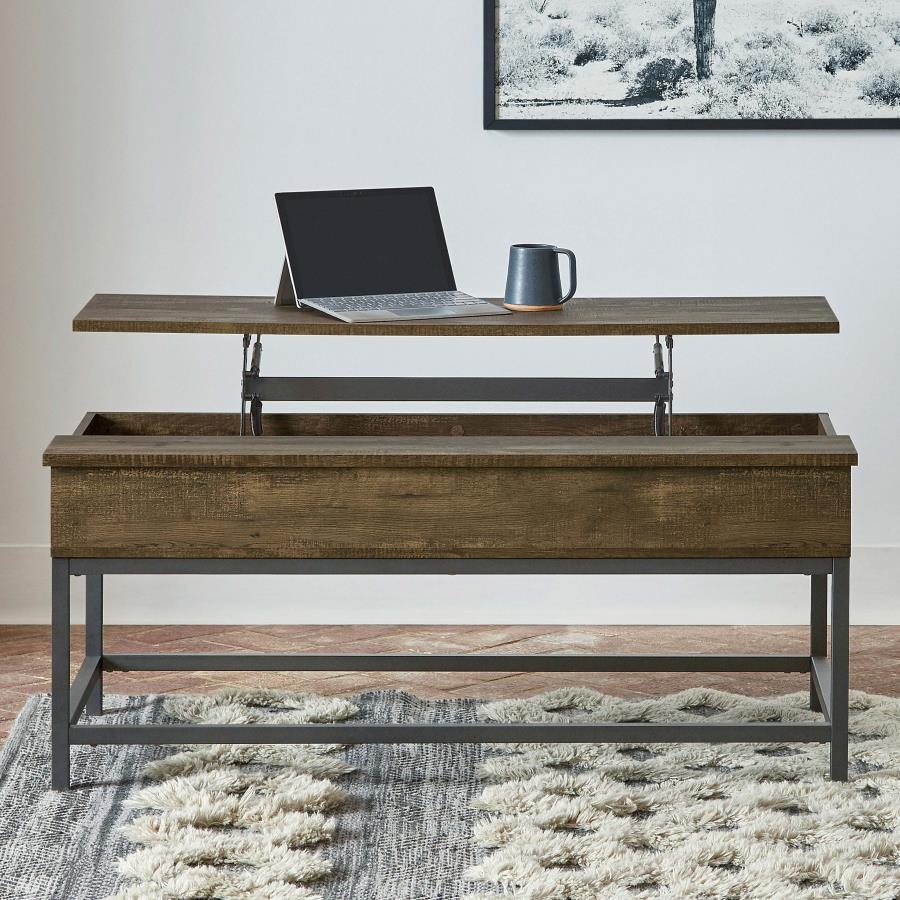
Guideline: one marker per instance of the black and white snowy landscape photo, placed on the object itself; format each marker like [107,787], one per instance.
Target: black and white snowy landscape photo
[609,60]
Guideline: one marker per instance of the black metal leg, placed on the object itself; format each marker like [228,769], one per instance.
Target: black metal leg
[818,629]
[59,740]
[840,666]
[93,637]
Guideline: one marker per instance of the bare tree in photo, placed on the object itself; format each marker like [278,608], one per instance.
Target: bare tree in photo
[704,34]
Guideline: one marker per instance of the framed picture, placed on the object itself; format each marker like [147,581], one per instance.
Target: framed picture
[691,63]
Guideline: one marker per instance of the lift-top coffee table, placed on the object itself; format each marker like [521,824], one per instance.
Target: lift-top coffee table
[264,493]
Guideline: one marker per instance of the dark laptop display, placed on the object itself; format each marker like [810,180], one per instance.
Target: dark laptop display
[372,255]
[346,243]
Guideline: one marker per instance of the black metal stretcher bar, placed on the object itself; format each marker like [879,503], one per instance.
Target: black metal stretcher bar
[494,390]
[408,662]
[651,732]
[821,566]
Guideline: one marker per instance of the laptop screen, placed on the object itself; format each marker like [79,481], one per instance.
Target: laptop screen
[348,243]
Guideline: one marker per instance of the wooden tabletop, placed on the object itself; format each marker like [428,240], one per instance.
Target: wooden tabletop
[583,316]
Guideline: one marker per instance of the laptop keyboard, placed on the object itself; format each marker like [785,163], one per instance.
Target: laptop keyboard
[395,301]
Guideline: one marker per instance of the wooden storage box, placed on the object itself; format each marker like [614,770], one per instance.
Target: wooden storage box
[185,485]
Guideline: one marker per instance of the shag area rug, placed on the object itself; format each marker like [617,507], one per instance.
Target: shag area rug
[542,822]
[690,820]
[238,820]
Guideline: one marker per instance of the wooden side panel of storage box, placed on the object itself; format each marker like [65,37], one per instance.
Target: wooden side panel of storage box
[436,511]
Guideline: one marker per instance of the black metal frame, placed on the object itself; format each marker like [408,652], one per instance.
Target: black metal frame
[828,677]
[491,121]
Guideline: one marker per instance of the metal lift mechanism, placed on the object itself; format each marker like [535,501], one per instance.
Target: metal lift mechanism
[658,390]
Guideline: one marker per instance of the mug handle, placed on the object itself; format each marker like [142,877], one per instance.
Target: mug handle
[572,279]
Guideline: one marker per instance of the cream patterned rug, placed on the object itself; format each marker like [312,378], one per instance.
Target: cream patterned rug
[238,821]
[585,822]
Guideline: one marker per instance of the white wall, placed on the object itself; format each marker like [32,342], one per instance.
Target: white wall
[140,146]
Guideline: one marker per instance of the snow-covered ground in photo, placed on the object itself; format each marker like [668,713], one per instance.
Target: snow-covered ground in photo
[620,59]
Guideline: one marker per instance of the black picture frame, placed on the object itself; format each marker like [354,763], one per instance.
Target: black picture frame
[492,122]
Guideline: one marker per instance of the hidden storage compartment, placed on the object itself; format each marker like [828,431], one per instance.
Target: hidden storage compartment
[452,425]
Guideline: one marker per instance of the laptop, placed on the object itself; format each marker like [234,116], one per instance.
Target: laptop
[372,256]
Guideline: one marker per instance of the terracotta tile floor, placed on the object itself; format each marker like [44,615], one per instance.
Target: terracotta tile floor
[25,658]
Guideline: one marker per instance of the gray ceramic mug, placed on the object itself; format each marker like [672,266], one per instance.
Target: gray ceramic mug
[532,282]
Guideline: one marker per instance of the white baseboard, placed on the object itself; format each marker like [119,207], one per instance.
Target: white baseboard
[610,599]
